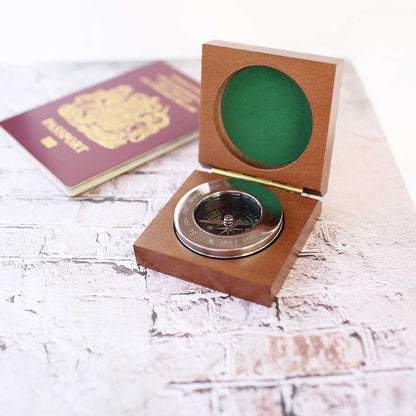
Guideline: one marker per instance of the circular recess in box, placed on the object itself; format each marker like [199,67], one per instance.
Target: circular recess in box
[265,117]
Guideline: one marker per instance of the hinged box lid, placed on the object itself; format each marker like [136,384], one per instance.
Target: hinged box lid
[269,113]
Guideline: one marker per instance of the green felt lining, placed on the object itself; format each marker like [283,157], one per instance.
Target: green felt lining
[270,201]
[266,115]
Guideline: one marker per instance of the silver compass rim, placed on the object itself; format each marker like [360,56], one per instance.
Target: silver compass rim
[191,235]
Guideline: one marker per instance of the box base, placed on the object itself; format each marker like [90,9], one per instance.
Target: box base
[256,278]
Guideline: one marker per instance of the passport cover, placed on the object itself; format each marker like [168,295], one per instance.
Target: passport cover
[90,136]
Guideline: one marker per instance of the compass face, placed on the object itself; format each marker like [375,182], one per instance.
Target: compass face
[228,213]
[228,218]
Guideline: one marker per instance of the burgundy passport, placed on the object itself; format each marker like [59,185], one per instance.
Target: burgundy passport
[95,134]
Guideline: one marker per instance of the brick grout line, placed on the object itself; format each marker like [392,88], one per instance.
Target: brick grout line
[310,379]
[55,259]
[134,171]
[103,197]
[369,345]
[215,404]
[92,297]
[93,199]
[53,227]
[347,330]
[288,294]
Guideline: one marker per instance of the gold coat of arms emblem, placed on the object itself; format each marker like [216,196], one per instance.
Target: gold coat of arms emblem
[111,118]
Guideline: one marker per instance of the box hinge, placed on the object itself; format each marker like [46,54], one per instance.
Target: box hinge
[263,181]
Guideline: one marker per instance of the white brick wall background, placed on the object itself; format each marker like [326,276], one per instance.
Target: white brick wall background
[84,331]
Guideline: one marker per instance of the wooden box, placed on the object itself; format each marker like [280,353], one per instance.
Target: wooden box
[268,115]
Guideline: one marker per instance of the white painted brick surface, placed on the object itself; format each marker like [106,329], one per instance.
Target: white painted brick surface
[85,331]
[251,401]
[270,356]
[161,287]
[389,393]
[338,399]
[182,317]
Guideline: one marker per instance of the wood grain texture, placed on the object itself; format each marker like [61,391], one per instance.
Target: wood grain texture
[84,331]
[318,77]
[257,277]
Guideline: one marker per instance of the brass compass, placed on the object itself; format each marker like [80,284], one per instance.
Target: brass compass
[228,218]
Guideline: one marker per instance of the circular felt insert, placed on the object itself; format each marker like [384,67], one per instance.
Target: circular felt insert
[266,115]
